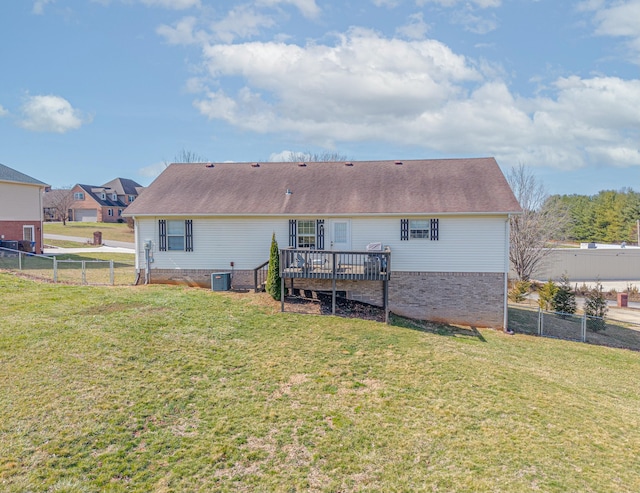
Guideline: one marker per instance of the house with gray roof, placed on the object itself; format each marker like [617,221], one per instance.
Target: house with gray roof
[20,210]
[104,203]
[429,239]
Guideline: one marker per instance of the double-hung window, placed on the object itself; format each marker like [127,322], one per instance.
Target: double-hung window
[306,233]
[175,235]
[419,228]
[425,229]
[78,196]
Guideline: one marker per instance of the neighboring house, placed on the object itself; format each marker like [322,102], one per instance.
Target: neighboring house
[445,223]
[20,209]
[55,203]
[103,203]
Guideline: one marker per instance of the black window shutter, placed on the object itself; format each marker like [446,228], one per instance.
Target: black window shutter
[188,235]
[292,233]
[320,234]
[404,229]
[434,229]
[162,228]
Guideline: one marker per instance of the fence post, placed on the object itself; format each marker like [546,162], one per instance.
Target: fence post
[111,273]
[584,327]
[55,269]
[540,321]
[84,272]
[19,260]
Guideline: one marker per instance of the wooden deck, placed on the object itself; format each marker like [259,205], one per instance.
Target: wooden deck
[354,266]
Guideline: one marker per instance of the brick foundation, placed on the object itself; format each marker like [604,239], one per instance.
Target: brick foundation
[465,298]
[240,279]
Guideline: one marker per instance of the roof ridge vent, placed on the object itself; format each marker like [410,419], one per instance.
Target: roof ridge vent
[398,163]
[302,165]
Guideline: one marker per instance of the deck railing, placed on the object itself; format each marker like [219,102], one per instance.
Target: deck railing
[342,265]
[260,276]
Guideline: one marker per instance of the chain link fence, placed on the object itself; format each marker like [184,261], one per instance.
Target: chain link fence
[574,327]
[68,270]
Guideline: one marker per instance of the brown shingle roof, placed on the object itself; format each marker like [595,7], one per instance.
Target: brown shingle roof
[329,188]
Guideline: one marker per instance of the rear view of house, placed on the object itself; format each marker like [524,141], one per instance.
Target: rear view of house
[20,210]
[443,226]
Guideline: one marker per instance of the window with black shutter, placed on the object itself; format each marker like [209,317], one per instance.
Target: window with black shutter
[404,229]
[162,228]
[434,229]
[188,229]
[175,235]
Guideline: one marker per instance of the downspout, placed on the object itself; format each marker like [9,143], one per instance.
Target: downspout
[507,231]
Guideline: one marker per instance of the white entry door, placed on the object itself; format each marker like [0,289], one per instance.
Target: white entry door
[340,234]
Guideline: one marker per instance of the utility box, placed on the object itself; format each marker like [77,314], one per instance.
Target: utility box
[221,281]
[97,238]
[623,300]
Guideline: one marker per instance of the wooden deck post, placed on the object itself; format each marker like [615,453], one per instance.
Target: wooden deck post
[282,294]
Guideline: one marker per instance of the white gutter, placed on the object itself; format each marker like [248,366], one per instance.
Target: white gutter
[507,233]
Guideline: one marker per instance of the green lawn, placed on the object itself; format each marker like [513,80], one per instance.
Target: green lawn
[173,389]
[110,231]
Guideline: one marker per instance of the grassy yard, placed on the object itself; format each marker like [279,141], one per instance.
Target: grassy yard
[110,231]
[172,389]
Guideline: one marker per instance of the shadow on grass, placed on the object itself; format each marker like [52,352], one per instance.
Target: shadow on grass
[436,328]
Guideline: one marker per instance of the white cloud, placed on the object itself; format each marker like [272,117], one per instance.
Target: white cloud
[308,8]
[365,87]
[172,4]
[617,19]
[39,5]
[416,28]
[386,3]
[241,22]
[478,24]
[50,114]
[3,111]
[451,3]
[153,170]
[166,4]
[284,156]
[621,19]
[182,34]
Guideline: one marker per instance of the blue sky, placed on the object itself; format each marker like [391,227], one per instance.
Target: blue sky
[91,90]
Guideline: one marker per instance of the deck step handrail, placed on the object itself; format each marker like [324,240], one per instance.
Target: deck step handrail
[260,276]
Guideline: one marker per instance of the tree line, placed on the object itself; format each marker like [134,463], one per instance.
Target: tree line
[607,217]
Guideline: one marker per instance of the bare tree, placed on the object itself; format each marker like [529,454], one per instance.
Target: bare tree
[541,222]
[316,157]
[186,156]
[57,203]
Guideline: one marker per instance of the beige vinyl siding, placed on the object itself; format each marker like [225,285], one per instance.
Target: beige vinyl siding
[20,202]
[217,242]
[466,243]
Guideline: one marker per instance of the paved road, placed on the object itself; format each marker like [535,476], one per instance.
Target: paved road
[78,239]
